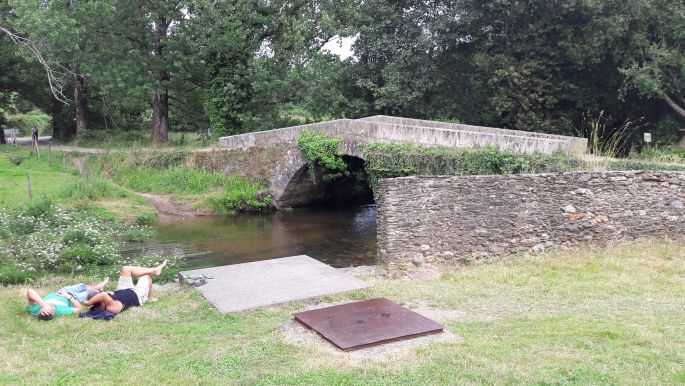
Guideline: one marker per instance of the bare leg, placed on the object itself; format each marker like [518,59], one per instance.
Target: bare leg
[150,297]
[142,271]
[33,297]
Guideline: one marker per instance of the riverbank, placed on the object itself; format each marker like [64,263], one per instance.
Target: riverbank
[603,316]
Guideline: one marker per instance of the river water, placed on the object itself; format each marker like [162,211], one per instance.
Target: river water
[340,237]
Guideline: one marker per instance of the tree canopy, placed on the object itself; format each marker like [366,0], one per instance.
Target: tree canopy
[247,65]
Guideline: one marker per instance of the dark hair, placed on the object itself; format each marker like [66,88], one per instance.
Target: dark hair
[45,317]
[92,293]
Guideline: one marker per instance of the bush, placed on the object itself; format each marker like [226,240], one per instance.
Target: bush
[665,132]
[137,235]
[238,196]
[96,189]
[81,254]
[176,180]
[322,150]
[388,161]
[41,208]
[25,122]
[11,275]
[76,236]
[148,219]
[166,159]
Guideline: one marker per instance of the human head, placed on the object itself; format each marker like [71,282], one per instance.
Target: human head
[45,317]
[47,312]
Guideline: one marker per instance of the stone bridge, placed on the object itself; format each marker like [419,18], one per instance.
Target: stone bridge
[273,157]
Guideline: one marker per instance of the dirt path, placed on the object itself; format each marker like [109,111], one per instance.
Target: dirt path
[45,141]
[170,210]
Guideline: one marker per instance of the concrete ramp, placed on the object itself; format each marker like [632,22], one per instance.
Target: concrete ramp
[242,287]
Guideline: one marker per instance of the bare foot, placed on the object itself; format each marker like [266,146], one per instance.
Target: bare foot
[102,284]
[158,269]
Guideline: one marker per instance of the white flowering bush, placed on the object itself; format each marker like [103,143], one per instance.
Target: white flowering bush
[46,238]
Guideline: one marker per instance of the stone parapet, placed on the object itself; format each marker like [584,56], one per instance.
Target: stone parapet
[419,132]
[463,219]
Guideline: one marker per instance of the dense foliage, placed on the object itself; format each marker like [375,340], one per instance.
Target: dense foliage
[387,161]
[322,151]
[251,64]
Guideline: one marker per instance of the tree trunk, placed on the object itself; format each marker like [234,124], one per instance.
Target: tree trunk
[160,119]
[160,96]
[680,110]
[58,129]
[81,102]
[3,140]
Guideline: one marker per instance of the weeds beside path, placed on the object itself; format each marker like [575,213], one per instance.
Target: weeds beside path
[602,316]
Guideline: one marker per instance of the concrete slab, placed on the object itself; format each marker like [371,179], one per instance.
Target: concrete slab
[242,287]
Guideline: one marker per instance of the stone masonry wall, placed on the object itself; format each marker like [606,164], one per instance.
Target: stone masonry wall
[469,218]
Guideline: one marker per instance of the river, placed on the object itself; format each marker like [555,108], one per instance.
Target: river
[340,237]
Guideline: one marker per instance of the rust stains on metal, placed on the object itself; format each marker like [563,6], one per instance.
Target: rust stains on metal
[367,323]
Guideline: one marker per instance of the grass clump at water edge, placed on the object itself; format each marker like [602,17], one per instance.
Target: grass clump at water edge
[238,195]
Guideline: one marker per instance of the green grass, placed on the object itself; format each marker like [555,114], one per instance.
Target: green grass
[62,185]
[664,154]
[167,172]
[238,195]
[46,180]
[600,316]
[177,180]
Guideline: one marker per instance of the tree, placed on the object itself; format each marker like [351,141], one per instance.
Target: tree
[139,53]
[656,70]
[256,54]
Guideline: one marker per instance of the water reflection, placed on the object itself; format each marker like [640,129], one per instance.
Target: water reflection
[339,237]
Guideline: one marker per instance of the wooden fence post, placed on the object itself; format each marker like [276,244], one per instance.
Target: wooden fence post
[35,147]
[49,155]
[28,177]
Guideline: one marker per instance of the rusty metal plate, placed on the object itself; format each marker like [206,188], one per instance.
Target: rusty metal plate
[367,323]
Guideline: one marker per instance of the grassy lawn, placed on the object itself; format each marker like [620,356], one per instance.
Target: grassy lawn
[61,185]
[602,316]
[46,180]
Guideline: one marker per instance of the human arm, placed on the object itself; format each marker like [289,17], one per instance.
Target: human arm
[74,303]
[33,298]
[101,297]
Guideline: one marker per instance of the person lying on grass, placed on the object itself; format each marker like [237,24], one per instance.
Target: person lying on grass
[66,301]
[127,294]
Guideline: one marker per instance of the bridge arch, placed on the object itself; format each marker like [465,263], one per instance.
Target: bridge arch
[301,190]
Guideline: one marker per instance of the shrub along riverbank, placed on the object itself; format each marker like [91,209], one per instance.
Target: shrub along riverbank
[68,227]
[168,172]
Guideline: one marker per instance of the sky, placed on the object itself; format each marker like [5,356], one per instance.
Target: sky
[341,46]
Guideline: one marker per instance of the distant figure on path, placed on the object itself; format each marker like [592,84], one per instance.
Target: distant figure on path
[66,301]
[34,132]
[127,294]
